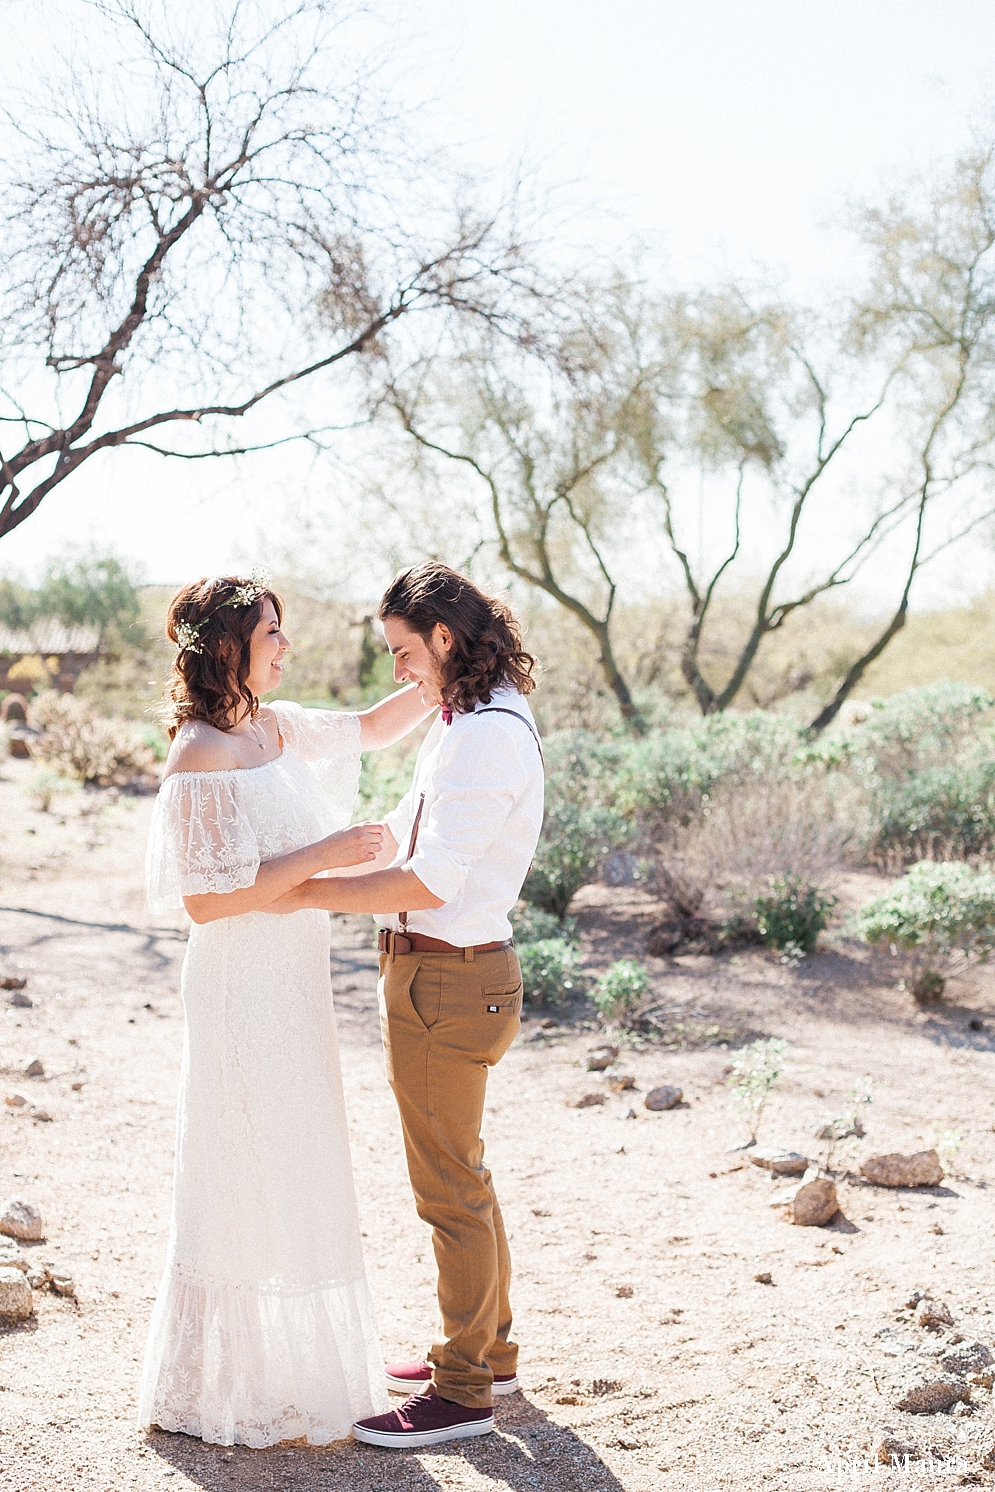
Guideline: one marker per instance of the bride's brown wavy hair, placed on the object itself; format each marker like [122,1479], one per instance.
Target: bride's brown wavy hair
[211,684]
[487,640]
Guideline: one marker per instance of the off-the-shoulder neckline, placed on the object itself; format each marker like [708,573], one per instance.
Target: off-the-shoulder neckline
[225,771]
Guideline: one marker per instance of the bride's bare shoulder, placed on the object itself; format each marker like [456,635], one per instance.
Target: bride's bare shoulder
[199,747]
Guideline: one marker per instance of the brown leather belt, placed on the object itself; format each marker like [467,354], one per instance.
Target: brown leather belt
[412,942]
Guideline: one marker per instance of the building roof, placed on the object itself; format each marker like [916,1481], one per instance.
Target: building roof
[48,635]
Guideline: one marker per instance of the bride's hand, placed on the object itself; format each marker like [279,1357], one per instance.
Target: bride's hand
[354,846]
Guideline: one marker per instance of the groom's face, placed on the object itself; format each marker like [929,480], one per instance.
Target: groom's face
[419,660]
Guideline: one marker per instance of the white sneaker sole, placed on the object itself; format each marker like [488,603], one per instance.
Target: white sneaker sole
[403,1440]
[409,1386]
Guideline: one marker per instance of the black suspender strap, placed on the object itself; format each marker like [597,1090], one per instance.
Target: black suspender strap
[498,710]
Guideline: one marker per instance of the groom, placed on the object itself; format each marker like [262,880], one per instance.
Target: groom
[458,848]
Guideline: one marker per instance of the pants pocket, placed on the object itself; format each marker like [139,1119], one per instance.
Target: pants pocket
[503,1001]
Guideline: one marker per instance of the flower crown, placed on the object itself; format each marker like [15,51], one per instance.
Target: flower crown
[188,638]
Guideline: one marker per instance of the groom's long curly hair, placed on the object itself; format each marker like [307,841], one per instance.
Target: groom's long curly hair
[210,684]
[487,640]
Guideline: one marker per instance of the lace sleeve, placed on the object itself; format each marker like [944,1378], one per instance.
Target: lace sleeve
[200,840]
[328,740]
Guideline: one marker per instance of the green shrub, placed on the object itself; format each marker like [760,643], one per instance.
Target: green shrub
[620,989]
[44,785]
[753,1076]
[574,844]
[532,925]
[936,920]
[550,971]
[792,913]
[941,812]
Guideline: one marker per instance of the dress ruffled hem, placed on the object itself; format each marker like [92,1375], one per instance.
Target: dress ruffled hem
[236,1365]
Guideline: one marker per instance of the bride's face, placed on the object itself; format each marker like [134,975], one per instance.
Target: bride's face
[267,646]
[418,660]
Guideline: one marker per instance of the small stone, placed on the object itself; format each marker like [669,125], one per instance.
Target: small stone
[15,1101]
[62,1284]
[970,1358]
[835,1131]
[763,1279]
[933,1314]
[622,1084]
[987,1459]
[892,1452]
[779,1162]
[20,1220]
[21,1001]
[811,1204]
[589,1101]
[16,1303]
[34,1070]
[662,1098]
[921,1169]
[934,1397]
[37,1277]
[549,1024]
[42,1116]
[601,1057]
[77,1087]
[624,1292]
[11,981]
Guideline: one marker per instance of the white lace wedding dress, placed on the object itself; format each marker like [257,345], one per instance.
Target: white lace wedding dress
[263,1329]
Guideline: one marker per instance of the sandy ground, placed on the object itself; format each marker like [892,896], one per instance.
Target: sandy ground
[651,1357]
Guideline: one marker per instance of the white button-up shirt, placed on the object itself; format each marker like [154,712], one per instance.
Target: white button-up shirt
[483,784]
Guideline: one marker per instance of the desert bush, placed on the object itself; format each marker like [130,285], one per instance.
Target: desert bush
[531,924]
[908,732]
[667,777]
[620,989]
[753,1075]
[792,913]
[550,971]
[940,813]
[82,745]
[45,784]
[935,921]
[804,828]
[582,826]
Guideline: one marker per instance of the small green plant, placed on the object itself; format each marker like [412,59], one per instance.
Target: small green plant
[550,971]
[43,785]
[847,1124]
[532,925]
[620,989]
[752,1078]
[575,842]
[948,1142]
[791,915]
[935,921]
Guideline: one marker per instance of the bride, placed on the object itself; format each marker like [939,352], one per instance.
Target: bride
[263,1328]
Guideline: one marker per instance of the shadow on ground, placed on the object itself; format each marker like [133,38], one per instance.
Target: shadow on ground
[527,1453]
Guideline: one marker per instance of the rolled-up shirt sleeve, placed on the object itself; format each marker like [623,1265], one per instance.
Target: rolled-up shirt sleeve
[474,792]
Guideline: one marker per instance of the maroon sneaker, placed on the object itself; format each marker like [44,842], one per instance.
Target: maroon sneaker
[414,1377]
[424,1419]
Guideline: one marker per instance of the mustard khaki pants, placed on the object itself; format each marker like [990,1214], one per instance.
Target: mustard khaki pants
[446,1018]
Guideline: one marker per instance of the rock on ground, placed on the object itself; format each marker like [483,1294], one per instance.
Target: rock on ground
[968,1360]
[21,1220]
[933,1314]
[921,1169]
[892,1451]
[811,1204]
[663,1098]
[934,1396]
[16,1303]
[601,1057]
[779,1162]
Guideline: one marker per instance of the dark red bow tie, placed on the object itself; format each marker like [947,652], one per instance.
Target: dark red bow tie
[447,715]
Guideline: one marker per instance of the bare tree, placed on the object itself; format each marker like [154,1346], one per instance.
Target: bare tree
[542,435]
[251,214]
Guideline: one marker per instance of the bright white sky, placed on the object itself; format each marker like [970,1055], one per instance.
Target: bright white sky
[729,132]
